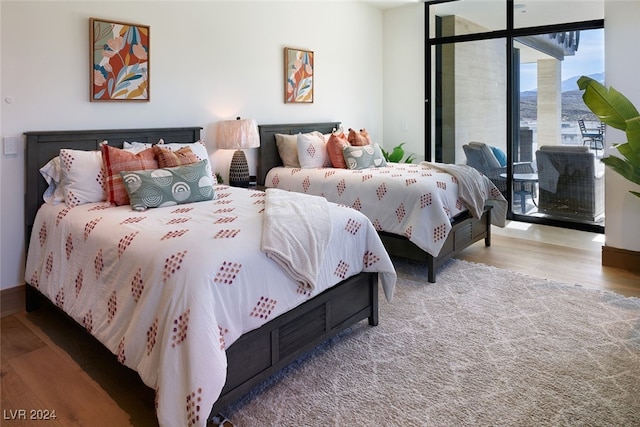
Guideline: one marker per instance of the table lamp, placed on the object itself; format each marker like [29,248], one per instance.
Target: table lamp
[237,135]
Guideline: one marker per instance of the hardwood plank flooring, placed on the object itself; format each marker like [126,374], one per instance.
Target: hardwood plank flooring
[49,363]
[568,256]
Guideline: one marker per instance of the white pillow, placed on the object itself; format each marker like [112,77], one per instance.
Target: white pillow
[82,177]
[198,148]
[135,147]
[52,173]
[312,150]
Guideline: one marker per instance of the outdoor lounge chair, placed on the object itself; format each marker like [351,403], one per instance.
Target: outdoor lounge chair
[481,157]
[571,182]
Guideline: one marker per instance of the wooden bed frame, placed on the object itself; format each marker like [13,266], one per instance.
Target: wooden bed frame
[466,230]
[258,354]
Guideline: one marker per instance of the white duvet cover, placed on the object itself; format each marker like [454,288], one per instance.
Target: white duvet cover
[169,289]
[412,200]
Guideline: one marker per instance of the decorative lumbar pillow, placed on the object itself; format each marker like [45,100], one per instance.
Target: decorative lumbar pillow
[117,160]
[198,148]
[81,177]
[335,148]
[168,186]
[168,159]
[364,157]
[312,150]
[358,138]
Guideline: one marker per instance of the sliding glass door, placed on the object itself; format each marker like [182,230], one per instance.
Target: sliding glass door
[557,131]
[502,97]
[471,103]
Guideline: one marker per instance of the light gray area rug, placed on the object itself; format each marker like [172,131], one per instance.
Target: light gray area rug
[481,347]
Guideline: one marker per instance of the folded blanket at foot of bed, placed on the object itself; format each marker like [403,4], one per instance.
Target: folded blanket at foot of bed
[296,232]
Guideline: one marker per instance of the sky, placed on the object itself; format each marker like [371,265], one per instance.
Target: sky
[589,59]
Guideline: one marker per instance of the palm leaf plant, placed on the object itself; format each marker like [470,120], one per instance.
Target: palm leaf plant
[617,111]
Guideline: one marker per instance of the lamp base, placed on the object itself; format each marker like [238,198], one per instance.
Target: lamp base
[239,170]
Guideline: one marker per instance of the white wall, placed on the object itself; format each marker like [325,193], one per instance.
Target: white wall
[622,62]
[209,61]
[404,69]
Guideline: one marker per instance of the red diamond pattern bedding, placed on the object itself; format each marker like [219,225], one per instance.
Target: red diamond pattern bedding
[417,201]
[169,289]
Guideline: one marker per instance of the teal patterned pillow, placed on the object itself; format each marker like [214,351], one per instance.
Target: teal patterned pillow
[363,156]
[155,188]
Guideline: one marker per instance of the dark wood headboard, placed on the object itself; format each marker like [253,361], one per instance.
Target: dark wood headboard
[269,157]
[43,146]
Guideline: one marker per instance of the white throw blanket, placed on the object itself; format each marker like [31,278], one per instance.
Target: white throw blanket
[474,189]
[296,232]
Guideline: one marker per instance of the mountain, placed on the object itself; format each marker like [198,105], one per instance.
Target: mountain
[572,83]
[569,84]
[573,108]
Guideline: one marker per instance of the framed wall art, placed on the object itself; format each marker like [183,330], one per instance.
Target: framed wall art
[298,79]
[119,61]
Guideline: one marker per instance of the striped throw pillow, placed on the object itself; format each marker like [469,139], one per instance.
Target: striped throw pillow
[169,159]
[117,160]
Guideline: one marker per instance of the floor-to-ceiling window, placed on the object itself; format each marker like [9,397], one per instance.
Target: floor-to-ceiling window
[502,96]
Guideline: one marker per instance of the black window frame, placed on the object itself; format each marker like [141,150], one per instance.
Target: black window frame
[509,34]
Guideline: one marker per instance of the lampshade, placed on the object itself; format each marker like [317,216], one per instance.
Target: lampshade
[238,134]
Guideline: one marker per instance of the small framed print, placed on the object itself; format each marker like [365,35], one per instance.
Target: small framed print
[298,79]
[119,61]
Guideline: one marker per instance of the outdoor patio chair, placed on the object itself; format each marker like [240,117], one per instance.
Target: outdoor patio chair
[593,138]
[571,182]
[481,157]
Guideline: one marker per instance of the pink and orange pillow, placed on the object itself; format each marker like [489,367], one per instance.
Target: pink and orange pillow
[117,160]
[335,148]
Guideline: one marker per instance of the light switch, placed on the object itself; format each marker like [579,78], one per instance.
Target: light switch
[10,145]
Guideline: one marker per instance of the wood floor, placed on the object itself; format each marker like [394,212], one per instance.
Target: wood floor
[554,253]
[49,364]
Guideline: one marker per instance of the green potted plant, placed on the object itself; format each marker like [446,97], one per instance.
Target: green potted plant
[617,111]
[396,155]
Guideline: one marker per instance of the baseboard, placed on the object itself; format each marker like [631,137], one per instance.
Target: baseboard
[621,258]
[12,300]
